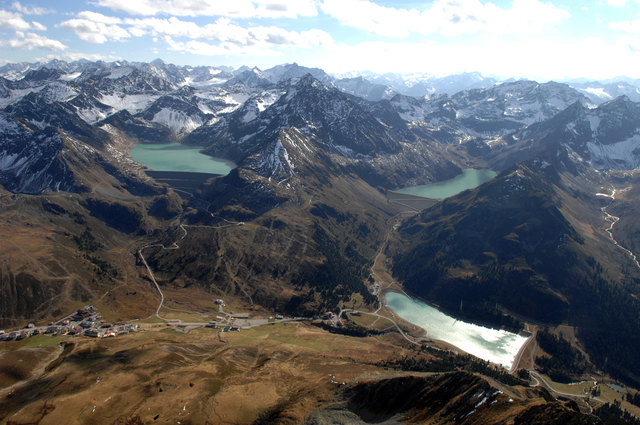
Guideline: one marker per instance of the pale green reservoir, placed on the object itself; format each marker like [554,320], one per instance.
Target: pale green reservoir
[469,179]
[497,346]
[177,157]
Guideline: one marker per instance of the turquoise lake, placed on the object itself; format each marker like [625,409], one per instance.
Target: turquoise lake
[497,346]
[177,157]
[469,179]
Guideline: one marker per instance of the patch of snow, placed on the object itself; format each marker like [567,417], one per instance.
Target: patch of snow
[109,129]
[119,72]
[16,95]
[294,141]
[93,115]
[344,151]
[70,77]
[214,81]
[267,99]
[481,402]
[8,161]
[8,125]
[247,137]
[594,122]
[616,155]
[598,92]
[133,103]
[281,151]
[177,121]
[213,120]
[58,92]
[204,108]
[250,115]
[236,98]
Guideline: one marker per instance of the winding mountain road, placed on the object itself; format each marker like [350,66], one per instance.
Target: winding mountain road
[176,246]
[614,220]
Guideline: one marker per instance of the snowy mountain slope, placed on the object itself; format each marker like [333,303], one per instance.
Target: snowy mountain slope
[31,162]
[419,84]
[607,136]
[89,108]
[247,112]
[123,124]
[361,87]
[9,94]
[32,82]
[33,112]
[15,71]
[603,92]
[291,157]
[293,71]
[203,77]
[524,102]
[489,112]
[250,78]
[178,111]
[343,124]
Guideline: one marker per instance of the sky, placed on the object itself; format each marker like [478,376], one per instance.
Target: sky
[537,39]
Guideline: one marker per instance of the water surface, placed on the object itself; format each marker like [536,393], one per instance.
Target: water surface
[469,179]
[177,157]
[497,346]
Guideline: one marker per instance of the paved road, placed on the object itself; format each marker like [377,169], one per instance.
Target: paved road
[380,316]
[516,360]
[176,246]
[539,378]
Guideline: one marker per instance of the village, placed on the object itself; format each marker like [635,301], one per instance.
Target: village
[88,322]
[85,321]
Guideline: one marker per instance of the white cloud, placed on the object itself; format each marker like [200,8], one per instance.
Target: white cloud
[30,41]
[447,17]
[224,31]
[221,49]
[617,3]
[99,18]
[232,9]
[542,59]
[632,27]
[13,21]
[371,17]
[30,10]
[271,45]
[96,28]
[38,26]
[74,56]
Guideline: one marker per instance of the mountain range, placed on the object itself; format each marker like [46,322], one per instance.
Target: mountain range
[316,158]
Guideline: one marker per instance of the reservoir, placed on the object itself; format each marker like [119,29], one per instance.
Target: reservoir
[497,346]
[177,157]
[469,179]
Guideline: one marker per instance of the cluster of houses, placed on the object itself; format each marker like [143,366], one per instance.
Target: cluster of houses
[85,321]
[330,318]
